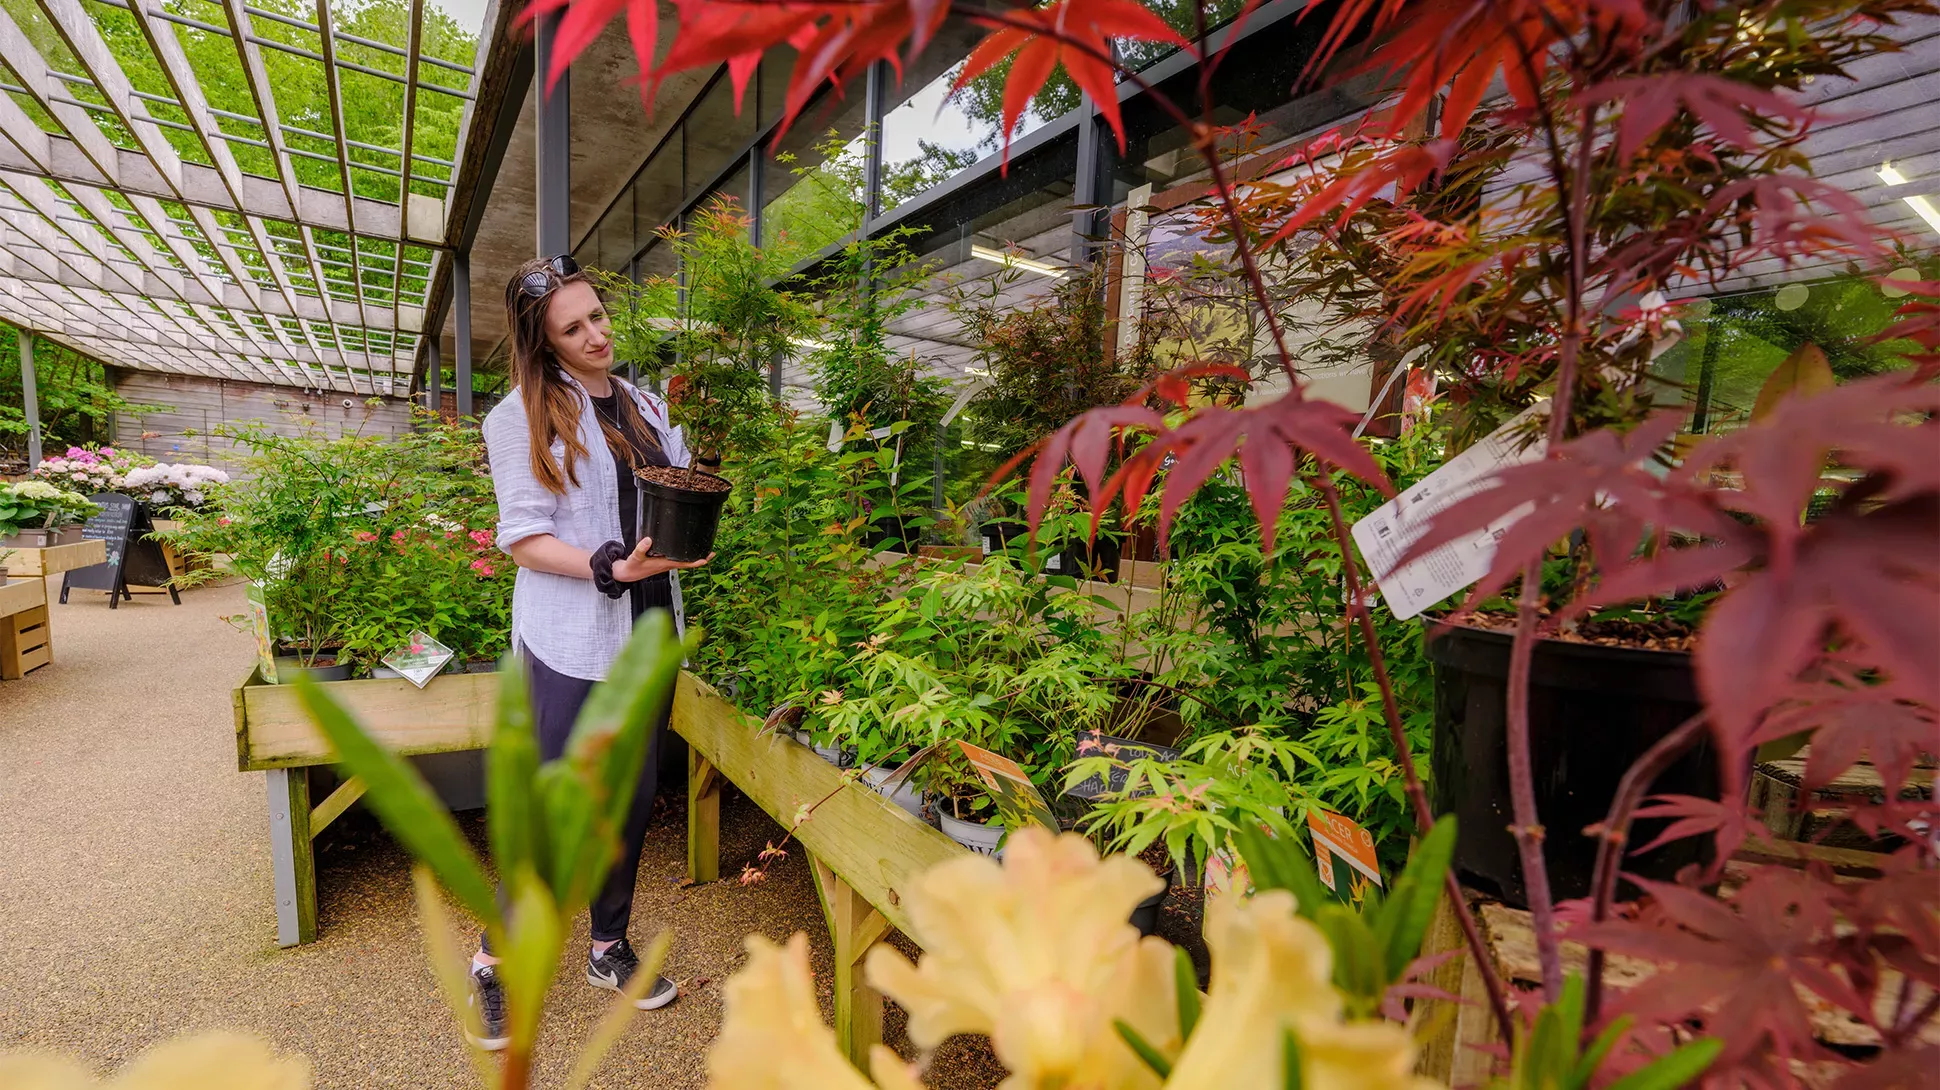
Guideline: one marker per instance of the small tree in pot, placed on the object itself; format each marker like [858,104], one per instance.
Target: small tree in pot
[730,324]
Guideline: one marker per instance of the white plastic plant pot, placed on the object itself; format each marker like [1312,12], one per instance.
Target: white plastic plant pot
[905,795]
[980,837]
[839,756]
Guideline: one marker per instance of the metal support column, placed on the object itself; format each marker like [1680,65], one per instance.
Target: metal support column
[1091,185]
[875,96]
[30,397]
[553,125]
[461,281]
[434,376]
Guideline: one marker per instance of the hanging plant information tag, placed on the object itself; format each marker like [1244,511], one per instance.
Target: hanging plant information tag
[1385,535]
[259,627]
[421,661]
[1010,787]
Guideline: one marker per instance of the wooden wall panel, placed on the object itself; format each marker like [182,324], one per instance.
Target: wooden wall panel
[193,406]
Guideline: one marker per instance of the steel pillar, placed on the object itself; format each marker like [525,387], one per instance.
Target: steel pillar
[554,129]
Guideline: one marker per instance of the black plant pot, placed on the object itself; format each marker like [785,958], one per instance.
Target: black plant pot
[893,532]
[681,521]
[1593,710]
[1146,916]
[1098,561]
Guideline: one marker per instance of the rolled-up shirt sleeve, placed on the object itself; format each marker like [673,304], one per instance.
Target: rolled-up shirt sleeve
[525,508]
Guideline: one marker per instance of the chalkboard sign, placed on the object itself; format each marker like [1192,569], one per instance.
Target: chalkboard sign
[133,557]
[1122,751]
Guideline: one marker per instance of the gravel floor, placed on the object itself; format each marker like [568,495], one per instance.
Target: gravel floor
[135,886]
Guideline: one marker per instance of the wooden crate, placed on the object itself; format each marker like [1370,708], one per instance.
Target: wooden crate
[452,712]
[56,559]
[26,639]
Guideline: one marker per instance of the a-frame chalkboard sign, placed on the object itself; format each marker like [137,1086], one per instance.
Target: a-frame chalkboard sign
[133,556]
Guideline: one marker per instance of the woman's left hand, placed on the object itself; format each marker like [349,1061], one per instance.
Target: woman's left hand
[638,565]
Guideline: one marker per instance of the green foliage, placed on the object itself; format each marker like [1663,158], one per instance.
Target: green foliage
[791,587]
[993,657]
[554,827]
[1265,640]
[729,324]
[363,540]
[1046,361]
[77,402]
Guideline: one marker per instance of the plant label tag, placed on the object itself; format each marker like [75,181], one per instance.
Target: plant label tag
[1016,796]
[836,434]
[421,661]
[259,627]
[1121,752]
[1343,855]
[1385,535]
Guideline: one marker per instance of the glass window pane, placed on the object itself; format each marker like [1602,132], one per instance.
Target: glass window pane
[715,135]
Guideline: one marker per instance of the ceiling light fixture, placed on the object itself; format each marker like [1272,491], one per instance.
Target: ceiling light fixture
[1920,205]
[1003,257]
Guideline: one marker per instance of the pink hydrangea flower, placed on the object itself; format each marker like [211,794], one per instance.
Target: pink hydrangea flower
[482,538]
[483,567]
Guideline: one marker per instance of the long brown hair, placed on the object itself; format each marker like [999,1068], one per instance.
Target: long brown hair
[551,402]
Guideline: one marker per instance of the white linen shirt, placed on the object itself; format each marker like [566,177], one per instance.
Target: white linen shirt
[566,621]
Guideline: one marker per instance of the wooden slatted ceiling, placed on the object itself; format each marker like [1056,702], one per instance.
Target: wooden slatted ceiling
[142,223]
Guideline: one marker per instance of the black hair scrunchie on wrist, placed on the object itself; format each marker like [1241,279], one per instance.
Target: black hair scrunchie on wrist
[603,560]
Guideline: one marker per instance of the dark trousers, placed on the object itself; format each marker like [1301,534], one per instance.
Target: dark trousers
[556,700]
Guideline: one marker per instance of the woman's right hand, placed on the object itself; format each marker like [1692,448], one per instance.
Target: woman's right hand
[638,565]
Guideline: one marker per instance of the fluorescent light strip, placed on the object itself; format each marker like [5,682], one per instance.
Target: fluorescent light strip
[1920,205]
[1003,258]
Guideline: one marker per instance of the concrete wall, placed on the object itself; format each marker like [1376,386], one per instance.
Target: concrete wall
[194,406]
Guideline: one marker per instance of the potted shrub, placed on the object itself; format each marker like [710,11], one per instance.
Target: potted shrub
[34,513]
[726,329]
[988,657]
[360,541]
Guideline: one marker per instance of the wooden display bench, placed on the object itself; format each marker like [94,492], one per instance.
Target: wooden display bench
[25,640]
[865,850]
[26,627]
[274,735]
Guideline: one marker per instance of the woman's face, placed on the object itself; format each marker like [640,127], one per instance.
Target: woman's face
[577,328]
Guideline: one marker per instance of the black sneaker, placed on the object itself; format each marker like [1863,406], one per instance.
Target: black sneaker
[488,999]
[614,968]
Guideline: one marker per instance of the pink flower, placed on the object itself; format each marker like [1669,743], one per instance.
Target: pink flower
[483,567]
[397,538]
[481,538]
[366,536]
[417,649]
[223,521]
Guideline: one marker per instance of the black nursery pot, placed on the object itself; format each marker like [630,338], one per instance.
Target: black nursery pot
[1146,916]
[681,521]
[1593,710]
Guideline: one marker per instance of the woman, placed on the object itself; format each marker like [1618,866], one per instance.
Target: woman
[564,447]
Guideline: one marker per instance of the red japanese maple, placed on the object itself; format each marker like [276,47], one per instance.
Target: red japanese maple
[1635,145]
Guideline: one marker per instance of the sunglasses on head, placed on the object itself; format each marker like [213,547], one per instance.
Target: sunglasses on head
[539,283]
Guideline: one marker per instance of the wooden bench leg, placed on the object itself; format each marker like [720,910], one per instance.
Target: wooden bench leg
[854,926]
[1452,1035]
[291,857]
[703,819]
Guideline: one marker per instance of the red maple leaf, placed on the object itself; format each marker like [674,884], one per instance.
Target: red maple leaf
[1731,965]
[1076,34]
[1728,107]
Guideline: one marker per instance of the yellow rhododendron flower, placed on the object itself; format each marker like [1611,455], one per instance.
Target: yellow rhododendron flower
[1039,954]
[1273,971]
[772,1037]
[232,1061]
